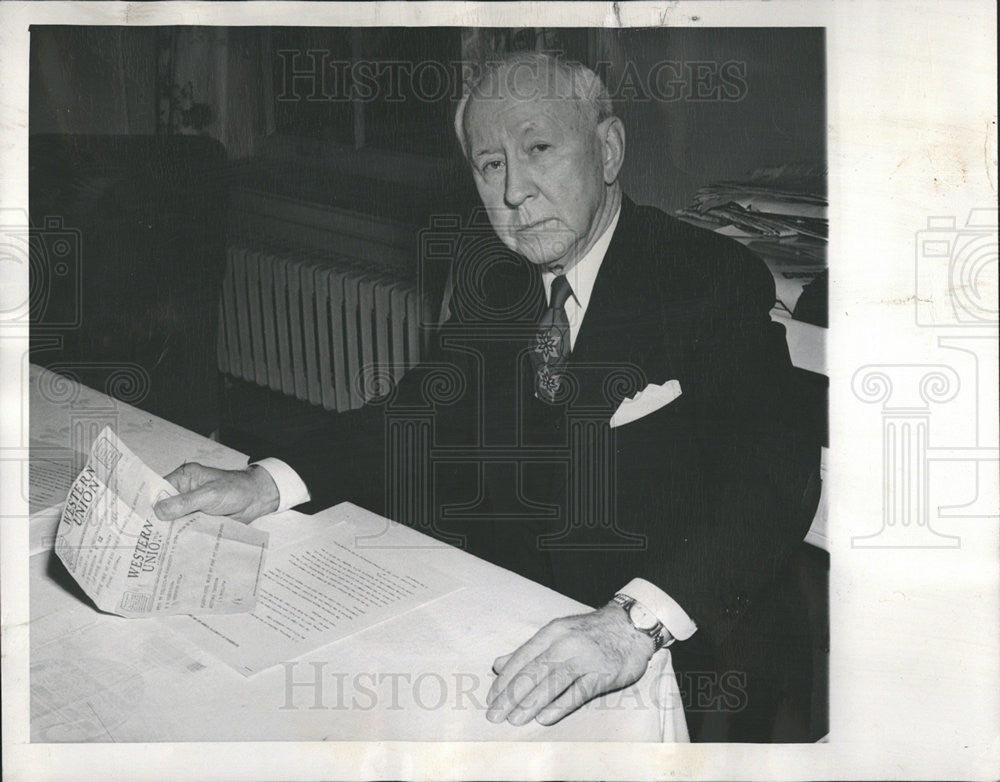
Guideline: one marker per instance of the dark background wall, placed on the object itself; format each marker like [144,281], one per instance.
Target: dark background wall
[93,80]
[174,143]
[766,103]
[778,116]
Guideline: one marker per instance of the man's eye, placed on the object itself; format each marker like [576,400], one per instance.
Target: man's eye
[492,165]
[540,147]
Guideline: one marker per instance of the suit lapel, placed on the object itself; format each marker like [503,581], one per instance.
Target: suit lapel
[623,325]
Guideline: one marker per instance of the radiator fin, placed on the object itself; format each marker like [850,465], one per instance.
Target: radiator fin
[314,325]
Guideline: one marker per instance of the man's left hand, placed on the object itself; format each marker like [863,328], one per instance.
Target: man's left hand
[567,663]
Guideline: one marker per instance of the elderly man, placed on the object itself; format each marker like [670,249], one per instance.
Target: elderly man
[610,324]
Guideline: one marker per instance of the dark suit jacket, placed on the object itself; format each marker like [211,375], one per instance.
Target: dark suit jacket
[703,498]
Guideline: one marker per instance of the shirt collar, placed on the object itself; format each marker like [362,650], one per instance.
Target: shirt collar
[583,274]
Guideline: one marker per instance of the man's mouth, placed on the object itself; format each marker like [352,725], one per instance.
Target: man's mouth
[533,226]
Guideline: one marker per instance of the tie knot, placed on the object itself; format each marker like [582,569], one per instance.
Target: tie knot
[561,291]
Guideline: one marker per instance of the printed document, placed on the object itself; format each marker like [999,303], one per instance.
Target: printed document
[315,591]
[131,563]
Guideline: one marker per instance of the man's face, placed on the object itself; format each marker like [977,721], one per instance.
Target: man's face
[538,165]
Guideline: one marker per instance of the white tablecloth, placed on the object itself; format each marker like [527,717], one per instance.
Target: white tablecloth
[420,676]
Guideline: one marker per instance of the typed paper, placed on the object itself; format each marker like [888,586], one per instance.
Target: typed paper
[131,563]
[314,592]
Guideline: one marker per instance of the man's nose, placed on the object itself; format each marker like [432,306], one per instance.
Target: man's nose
[518,185]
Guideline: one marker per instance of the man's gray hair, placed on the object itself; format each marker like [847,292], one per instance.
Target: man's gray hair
[586,85]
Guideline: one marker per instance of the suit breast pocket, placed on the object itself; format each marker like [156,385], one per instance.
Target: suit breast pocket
[657,455]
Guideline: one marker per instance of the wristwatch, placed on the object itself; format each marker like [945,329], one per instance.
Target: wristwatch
[642,619]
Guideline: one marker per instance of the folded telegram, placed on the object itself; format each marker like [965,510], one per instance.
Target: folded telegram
[131,563]
[647,401]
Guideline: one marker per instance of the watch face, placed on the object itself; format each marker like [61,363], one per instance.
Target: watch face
[642,618]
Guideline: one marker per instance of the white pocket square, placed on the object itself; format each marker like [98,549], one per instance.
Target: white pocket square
[647,401]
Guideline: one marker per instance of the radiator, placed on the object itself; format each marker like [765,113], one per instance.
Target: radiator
[322,328]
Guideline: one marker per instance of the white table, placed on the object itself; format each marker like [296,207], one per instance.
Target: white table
[420,676]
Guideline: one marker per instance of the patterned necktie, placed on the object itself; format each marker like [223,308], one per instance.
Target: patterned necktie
[551,349]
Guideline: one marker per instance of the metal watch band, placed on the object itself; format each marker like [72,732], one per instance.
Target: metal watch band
[657,632]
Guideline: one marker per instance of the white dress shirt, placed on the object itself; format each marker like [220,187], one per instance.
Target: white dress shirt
[581,276]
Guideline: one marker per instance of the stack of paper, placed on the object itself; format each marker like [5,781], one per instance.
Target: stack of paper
[780,213]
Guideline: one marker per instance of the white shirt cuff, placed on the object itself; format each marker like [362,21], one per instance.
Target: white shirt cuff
[663,607]
[291,490]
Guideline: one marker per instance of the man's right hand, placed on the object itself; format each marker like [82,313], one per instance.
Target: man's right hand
[242,494]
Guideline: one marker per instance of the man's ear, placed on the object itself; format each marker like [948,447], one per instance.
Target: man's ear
[611,134]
